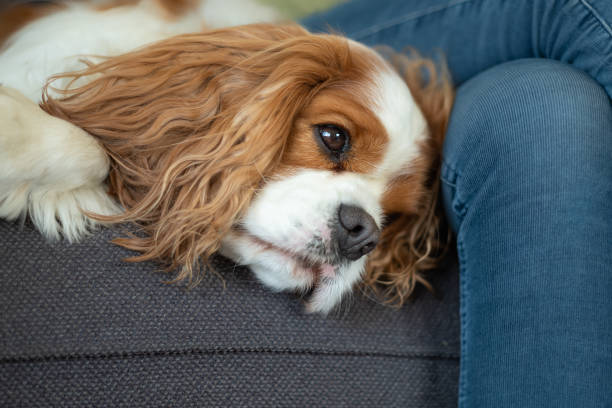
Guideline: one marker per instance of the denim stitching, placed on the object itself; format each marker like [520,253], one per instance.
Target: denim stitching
[459,206]
[448,182]
[595,14]
[403,19]
[448,174]
[463,323]
[449,164]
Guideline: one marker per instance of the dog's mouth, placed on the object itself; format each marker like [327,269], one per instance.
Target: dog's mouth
[319,267]
[308,266]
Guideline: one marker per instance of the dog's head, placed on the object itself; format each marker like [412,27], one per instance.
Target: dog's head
[302,156]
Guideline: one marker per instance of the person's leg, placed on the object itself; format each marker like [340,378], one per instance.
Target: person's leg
[527,179]
[477,34]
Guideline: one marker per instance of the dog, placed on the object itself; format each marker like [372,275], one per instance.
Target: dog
[307,157]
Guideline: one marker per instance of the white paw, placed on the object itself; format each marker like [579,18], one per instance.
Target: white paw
[49,169]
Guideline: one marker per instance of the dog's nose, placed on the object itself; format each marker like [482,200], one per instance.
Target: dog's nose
[356,232]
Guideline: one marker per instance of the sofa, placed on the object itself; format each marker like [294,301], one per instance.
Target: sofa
[81,327]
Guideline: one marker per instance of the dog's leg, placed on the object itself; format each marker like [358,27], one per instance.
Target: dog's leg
[49,169]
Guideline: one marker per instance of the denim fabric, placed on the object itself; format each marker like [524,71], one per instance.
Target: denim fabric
[527,181]
[528,188]
[477,34]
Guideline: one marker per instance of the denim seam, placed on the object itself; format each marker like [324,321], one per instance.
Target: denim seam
[463,321]
[598,49]
[460,209]
[359,35]
[452,168]
[458,205]
[459,202]
[598,17]
[448,182]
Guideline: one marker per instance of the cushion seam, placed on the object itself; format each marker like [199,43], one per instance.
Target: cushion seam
[220,351]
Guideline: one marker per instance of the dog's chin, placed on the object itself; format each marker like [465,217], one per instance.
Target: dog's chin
[325,280]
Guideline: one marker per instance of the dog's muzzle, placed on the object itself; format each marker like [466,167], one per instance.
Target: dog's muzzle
[355,231]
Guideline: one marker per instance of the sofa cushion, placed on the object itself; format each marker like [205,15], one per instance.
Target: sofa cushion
[80,327]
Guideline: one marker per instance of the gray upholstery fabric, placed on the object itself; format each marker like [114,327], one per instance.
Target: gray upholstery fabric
[80,327]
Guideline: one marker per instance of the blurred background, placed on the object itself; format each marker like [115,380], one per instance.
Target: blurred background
[296,9]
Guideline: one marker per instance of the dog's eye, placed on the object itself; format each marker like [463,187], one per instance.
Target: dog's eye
[334,138]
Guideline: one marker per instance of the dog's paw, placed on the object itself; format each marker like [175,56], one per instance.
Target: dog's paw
[55,212]
[50,170]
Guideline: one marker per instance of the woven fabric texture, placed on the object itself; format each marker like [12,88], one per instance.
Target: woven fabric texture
[80,327]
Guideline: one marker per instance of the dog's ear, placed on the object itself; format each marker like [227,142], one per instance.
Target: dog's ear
[415,237]
[192,125]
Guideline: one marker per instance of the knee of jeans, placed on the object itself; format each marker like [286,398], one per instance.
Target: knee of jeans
[526,118]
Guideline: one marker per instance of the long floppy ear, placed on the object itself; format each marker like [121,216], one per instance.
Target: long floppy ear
[416,237]
[192,125]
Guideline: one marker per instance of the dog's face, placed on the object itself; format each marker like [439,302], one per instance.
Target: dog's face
[316,218]
[285,150]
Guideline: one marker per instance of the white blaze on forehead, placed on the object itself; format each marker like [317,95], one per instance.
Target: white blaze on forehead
[403,120]
[398,112]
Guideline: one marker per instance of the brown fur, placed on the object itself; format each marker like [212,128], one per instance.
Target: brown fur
[170,8]
[187,158]
[16,17]
[181,121]
[177,8]
[108,5]
[368,136]
[416,239]
[343,104]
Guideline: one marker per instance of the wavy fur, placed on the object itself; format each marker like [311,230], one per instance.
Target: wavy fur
[186,156]
[181,122]
[414,243]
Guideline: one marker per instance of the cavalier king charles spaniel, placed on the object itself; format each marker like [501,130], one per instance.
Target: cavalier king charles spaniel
[307,157]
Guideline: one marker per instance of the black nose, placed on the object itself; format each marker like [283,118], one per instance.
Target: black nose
[356,232]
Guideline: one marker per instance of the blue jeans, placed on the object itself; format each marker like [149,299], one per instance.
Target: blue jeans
[527,186]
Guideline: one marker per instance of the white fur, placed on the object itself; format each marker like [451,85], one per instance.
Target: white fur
[49,168]
[52,170]
[306,203]
[295,214]
[56,185]
[405,124]
[56,43]
[398,112]
[289,213]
